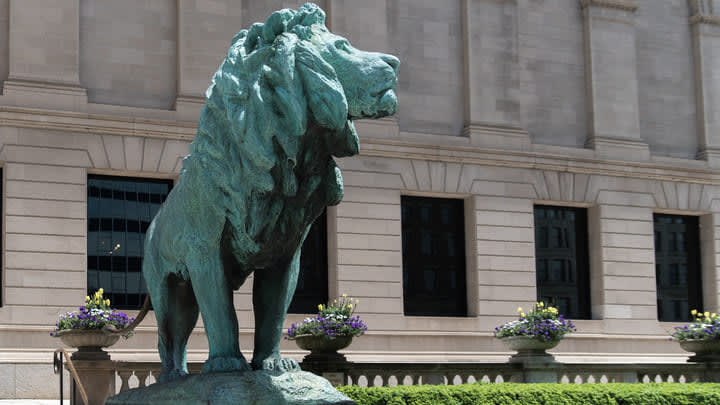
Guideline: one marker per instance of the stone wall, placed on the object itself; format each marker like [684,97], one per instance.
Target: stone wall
[499,107]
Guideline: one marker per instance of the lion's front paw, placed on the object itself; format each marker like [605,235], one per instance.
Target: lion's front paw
[280,364]
[223,364]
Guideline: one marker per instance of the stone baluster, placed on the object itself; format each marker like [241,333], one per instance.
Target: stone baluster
[125,379]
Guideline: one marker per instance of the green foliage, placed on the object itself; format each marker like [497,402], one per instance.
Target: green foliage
[706,326]
[543,322]
[538,394]
[336,318]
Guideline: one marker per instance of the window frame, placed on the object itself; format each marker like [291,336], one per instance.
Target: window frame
[307,301]
[694,292]
[461,294]
[580,259]
[132,179]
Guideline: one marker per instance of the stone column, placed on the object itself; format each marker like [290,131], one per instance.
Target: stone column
[44,42]
[204,33]
[492,108]
[611,80]
[706,46]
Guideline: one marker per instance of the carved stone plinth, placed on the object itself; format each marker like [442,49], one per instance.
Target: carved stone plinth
[252,387]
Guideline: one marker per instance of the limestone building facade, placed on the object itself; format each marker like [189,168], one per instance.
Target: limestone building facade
[587,125]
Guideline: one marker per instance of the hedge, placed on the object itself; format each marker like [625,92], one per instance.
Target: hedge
[538,394]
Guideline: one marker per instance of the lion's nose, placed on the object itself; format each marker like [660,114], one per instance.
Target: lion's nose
[392,61]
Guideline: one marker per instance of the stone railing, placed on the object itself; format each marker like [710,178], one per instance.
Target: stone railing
[138,374]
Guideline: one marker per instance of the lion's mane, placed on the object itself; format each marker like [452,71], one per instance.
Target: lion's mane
[272,105]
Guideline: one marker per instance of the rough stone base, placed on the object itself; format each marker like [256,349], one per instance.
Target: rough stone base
[255,387]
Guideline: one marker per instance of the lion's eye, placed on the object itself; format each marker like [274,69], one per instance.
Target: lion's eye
[343,45]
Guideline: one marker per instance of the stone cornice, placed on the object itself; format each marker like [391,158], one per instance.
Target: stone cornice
[705,19]
[550,161]
[96,123]
[401,146]
[616,4]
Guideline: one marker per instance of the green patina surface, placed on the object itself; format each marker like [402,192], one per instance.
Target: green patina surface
[259,172]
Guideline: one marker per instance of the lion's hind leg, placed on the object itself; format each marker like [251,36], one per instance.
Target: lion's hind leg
[176,317]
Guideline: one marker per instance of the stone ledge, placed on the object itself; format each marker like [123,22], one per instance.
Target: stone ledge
[617,4]
[705,19]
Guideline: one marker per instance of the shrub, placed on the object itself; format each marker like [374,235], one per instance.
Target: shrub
[538,394]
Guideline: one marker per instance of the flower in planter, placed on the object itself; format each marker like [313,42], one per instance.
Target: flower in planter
[94,315]
[706,326]
[542,322]
[336,318]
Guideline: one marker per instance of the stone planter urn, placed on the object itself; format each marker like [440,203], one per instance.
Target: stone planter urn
[323,349]
[705,350]
[530,349]
[88,342]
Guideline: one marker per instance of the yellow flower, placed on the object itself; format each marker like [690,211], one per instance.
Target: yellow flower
[522,314]
[350,306]
[87,298]
[357,302]
[541,304]
[344,295]
[320,307]
[107,302]
[519,309]
[707,314]
[693,312]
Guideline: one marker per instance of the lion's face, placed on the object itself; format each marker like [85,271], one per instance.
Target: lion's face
[368,78]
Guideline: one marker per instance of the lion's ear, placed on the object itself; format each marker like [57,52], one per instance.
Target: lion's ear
[326,98]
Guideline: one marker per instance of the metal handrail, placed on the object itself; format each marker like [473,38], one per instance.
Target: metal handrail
[58,368]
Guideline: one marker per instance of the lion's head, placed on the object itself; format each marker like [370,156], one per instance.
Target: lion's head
[280,81]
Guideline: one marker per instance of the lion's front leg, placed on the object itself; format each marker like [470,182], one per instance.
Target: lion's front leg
[215,299]
[273,290]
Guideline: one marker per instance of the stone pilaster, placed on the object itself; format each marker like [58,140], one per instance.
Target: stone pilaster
[492,107]
[44,39]
[204,34]
[611,79]
[705,21]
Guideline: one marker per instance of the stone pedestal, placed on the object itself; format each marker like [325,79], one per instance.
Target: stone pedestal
[97,376]
[251,387]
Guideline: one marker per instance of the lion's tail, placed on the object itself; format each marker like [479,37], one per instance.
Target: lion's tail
[111,329]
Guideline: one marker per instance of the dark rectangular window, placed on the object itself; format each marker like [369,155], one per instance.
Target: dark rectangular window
[677,267]
[433,251]
[117,221]
[561,259]
[312,284]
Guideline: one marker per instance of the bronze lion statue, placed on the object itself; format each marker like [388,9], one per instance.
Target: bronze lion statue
[260,170]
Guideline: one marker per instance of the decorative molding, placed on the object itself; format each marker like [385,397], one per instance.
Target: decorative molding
[401,146]
[559,162]
[24,84]
[616,4]
[705,19]
[22,117]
